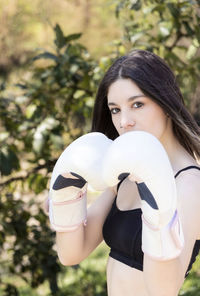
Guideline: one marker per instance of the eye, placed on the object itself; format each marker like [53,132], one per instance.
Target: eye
[114,110]
[138,105]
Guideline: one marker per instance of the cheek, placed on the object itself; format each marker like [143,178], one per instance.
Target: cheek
[116,123]
[114,120]
[158,125]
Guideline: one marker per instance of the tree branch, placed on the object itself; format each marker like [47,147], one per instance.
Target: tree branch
[48,165]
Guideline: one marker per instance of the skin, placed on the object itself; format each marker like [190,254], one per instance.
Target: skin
[141,114]
[159,278]
[132,111]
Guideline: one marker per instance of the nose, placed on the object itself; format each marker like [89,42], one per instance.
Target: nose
[126,121]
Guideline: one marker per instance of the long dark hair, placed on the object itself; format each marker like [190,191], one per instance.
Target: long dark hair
[154,77]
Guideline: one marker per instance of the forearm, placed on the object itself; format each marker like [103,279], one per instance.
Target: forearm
[70,246]
[75,246]
[163,278]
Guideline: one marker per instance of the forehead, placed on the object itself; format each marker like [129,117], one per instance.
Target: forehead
[123,88]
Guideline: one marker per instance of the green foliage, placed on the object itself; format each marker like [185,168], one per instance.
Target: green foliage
[92,283]
[89,278]
[171,30]
[25,236]
[9,159]
[191,286]
[51,108]
[56,101]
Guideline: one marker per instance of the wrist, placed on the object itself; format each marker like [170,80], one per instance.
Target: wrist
[163,243]
[68,215]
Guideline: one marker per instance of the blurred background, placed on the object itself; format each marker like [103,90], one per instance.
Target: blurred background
[52,56]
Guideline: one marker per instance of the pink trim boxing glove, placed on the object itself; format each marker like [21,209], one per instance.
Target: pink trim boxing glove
[141,154]
[68,203]
[78,165]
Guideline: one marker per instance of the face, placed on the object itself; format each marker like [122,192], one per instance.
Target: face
[131,110]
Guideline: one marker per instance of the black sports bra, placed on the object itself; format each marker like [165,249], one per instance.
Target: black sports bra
[122,232]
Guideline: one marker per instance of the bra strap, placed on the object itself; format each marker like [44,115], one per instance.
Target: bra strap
[184,169]
[120,183]
[189,167]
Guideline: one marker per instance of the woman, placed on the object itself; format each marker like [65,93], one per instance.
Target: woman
[138,93]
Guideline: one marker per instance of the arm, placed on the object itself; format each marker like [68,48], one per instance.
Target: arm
[142,155]
[163,278]
[173,271]
[77,166]
[73,247]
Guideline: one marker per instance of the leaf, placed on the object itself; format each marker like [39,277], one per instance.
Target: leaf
[137,5]
[20,85]
[191,51]
[173,10]
[30,110]
[165,28]
[78,94]
[10,290]
[118,8]
[37,182]
[42,132]
[188,28]
[197,32]
[38,141]
[2,86]
[8,160]
[136,36]
[46,55]
[72,37]
[60,39]
[57,141]
[164,31]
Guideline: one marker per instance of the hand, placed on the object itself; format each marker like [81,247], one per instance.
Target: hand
[68,186]
[78,165]
[84,157]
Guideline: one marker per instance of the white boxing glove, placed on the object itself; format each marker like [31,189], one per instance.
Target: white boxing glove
[79,164]
[141,154]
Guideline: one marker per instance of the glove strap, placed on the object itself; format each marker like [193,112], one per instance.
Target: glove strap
[165,243]
[68,215]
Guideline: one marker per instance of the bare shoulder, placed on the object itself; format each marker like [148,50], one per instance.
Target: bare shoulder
[189,182]
[188,192]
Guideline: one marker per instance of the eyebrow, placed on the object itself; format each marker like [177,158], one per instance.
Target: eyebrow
[129,99]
